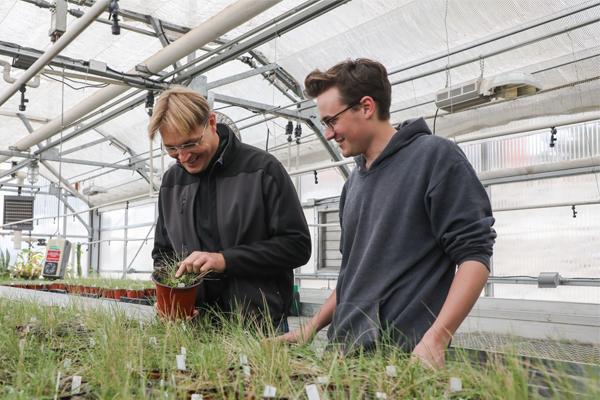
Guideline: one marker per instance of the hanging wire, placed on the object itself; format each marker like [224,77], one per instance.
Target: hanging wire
[62,127]
[578,89]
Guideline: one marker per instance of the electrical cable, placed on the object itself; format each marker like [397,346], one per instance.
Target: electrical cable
[76,88]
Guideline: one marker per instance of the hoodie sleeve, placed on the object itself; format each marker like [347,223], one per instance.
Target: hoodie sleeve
[461,215]
[289,243]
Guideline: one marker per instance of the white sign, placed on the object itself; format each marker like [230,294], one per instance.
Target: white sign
[180,362]
[455,384]
[312,392]
[269,391]
[243,359]
[76,384]
[246,371]
[391,371]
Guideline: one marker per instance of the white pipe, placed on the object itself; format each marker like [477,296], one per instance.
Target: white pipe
[73,31]
[231,17]
[9,79]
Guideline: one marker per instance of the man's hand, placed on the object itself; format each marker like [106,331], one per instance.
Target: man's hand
[302,335]
[201,262]
[431,350]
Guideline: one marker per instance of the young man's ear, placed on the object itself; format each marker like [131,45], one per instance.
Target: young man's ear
[369,107]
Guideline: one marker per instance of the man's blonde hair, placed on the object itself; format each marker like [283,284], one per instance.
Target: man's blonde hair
[181,109]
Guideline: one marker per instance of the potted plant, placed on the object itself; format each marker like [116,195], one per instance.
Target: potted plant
[175,297]
[28,264]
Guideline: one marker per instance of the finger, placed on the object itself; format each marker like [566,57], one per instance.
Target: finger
[181,270]
[200,264]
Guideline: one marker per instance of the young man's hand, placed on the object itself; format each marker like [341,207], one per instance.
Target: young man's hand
[302,335]
[202,262]
[431,350]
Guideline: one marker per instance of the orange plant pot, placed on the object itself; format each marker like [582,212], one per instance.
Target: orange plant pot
[175,303]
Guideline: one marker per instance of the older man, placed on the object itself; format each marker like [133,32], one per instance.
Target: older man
[230,208]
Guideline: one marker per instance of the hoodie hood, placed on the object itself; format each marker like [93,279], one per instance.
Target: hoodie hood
[406,133]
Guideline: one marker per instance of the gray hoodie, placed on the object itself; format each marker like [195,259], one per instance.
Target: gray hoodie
[407,222]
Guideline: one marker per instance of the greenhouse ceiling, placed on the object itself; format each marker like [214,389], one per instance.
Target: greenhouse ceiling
[85,117]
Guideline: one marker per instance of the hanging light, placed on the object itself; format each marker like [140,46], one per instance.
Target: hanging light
[33,172]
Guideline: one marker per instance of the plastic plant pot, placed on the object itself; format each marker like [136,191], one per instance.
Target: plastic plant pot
[175,303]
[120,293]
[134,293]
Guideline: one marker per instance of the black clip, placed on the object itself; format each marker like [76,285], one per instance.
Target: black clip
[316,177]
[553,138]
[574,211]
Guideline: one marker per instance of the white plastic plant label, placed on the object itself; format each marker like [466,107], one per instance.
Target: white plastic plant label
[455,384]
[380,395]
[180,358]
[323,380]
[312,392]
[76,385]
[391,371]
[246,371]
[196,396]
[57,387]
[183,351]
[269,392]
[243,359]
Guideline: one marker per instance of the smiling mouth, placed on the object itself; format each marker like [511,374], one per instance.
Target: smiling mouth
[193,160]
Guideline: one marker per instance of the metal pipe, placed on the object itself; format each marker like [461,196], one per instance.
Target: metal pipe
[541,168]
[509,280]
[229,18]
[496,52]
[502,35]
[75,29]
[319,167]
[548,205]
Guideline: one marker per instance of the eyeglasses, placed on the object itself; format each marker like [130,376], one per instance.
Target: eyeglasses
[330,122]
[173,150]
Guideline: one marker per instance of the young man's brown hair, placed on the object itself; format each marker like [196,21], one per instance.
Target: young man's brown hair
[354,79]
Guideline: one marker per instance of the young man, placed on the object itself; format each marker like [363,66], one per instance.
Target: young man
[411,212]
[229,208]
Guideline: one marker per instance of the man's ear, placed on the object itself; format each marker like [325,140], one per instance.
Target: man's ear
[212,122]
[369,107]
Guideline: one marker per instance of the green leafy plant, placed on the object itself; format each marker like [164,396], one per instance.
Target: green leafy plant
[165,274]
[28,264]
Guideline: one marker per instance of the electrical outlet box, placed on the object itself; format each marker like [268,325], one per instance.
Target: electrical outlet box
[57,256]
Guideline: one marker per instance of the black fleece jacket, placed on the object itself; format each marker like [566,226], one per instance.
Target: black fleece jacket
[257,224]
[407,222]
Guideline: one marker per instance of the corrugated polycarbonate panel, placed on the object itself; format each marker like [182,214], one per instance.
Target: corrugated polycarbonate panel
[572,142]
